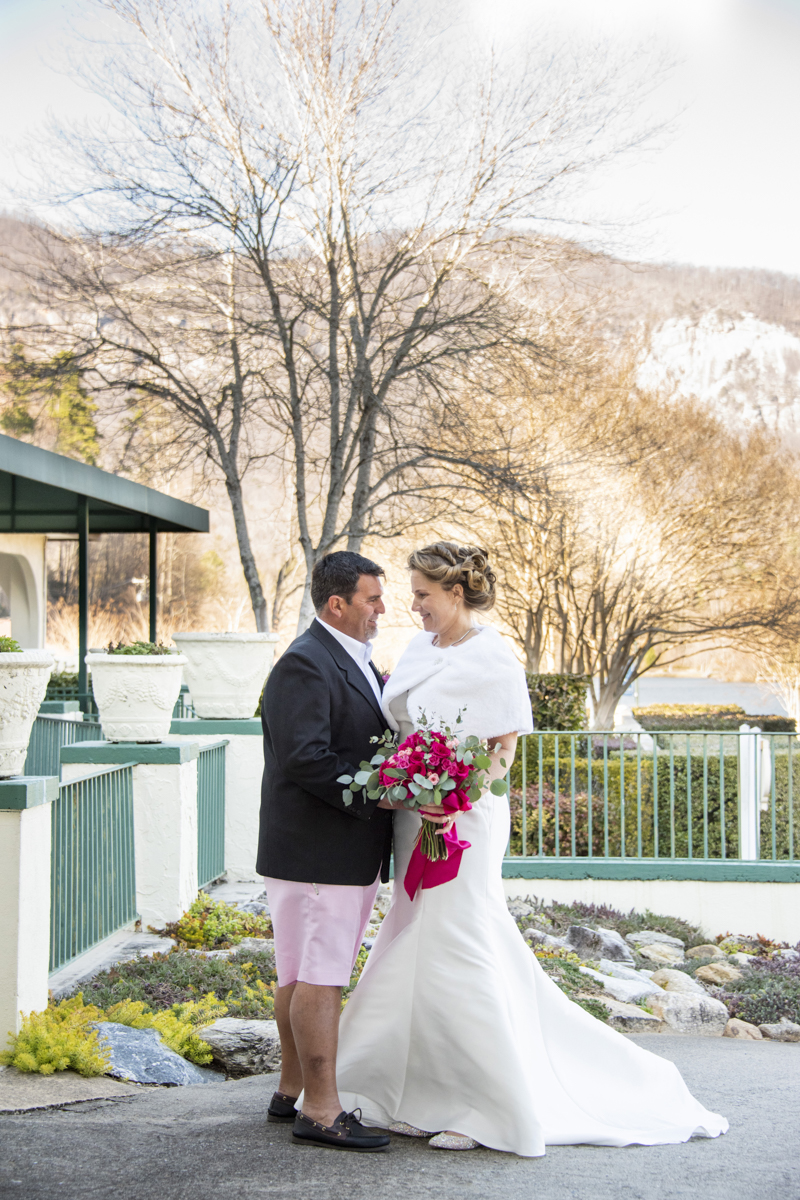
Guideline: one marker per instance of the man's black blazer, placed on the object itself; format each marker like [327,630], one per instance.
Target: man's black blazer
[318,713]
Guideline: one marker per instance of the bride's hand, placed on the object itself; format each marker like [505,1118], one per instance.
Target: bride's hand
[439,815]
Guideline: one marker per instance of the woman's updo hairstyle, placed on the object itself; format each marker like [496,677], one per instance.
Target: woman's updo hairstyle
[448,563]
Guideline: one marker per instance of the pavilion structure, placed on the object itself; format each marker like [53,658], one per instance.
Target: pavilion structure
[43,493]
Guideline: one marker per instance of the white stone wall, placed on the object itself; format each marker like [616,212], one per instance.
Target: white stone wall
[24,913]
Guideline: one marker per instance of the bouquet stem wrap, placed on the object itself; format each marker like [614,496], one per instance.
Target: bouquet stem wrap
[426,871]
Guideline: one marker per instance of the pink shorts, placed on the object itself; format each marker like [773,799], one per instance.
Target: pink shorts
[318,929]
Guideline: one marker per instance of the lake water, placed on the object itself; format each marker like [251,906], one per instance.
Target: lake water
[665,689]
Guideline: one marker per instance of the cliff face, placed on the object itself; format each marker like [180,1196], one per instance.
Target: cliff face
[747,369]
[731,338]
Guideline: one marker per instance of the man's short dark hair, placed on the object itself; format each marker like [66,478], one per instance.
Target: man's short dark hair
[338,575]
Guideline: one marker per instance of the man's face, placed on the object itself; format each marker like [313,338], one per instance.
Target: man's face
[359,618]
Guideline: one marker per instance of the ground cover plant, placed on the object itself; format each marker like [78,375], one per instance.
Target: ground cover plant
[9,645]
[563,968]
[63,1036]
[768,990]
[556,919]
[244,983]
[213,925]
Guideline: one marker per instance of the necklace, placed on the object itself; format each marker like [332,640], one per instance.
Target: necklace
[461,639]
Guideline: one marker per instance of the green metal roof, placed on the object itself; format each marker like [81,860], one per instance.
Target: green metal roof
[40,493]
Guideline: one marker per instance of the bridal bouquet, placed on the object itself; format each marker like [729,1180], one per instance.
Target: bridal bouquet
[430,767]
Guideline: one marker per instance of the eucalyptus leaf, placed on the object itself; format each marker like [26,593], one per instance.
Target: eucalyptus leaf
[345,779]
[363,777]
[498,787]
[414,788]
[347,797]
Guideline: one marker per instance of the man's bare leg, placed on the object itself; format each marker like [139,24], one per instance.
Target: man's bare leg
[291,1081]
[315,1014]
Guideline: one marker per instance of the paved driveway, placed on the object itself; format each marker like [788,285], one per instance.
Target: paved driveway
[214,1142]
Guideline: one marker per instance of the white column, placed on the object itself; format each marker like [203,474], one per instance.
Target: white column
[244,770]
[164,818]
[25,823]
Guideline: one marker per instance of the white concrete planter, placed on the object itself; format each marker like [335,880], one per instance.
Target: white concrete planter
[23,682]
[226,672]
[136,694]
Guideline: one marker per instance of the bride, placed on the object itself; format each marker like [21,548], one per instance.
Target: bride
[454,1028]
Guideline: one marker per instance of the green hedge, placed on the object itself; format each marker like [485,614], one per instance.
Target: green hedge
[720,718]
[673,808]
[558,701]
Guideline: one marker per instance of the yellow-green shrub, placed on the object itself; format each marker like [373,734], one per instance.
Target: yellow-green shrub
[59,1038]
[209,924]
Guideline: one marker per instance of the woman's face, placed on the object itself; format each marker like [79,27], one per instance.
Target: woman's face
[437,607]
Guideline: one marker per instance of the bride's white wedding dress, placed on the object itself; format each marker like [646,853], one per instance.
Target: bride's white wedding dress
[454,1024]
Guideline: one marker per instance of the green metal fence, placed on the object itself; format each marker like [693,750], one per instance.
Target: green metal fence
[49,734]
[708,798]
[211,813]
[93,884]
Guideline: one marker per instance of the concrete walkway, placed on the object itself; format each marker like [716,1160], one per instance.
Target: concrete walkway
[204,1143]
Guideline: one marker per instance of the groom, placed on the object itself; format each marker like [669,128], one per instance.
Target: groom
[322,860]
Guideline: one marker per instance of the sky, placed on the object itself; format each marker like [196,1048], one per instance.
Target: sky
[724,189]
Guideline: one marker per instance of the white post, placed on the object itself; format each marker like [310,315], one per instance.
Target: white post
[164,818]
[244,770]
[749,792]
[25,822]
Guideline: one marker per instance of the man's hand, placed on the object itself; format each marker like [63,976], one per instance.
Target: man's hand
[384,803]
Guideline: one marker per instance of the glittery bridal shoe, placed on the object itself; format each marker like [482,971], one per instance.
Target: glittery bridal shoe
[453,1141]
[406,1130]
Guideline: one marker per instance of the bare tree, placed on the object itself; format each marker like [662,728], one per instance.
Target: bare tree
[646,535]
[379,186]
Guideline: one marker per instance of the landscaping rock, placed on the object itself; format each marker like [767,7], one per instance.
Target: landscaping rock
[740,958]
[791,955]
[521,910]
[383,900]
[706,951]
[139,1056]
[678,981]
[627,1018]
[649,937]
[660,953]
[718,972]
[535,937]
[784,1031]
[256,945]
[259,907]
[598,943]
[742,1029]
[621,971]
[244,1047]
[628,990]
[682,1013]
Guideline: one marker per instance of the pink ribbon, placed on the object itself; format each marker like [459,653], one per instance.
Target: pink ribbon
[422,871]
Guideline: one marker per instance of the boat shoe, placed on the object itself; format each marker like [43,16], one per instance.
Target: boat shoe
[282,1107]
[346,1133]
